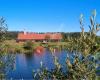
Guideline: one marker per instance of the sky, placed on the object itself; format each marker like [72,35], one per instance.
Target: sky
[48,15]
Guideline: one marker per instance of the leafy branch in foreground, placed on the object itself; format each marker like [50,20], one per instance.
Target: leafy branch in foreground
[84,50]
[3,29]
[6,60]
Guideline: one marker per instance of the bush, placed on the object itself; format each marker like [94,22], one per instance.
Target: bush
[28,45]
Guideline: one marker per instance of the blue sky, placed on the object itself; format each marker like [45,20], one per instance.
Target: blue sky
[47,15]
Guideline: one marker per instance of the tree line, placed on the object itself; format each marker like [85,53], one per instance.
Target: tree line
[65,35]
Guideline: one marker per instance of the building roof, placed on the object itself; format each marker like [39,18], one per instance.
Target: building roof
[36,36]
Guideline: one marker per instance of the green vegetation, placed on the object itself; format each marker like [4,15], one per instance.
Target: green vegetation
[4,50]
[12,35]
[85,45]
[28,45]
[3,29]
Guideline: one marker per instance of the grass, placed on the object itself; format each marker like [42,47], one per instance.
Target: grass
[11,46]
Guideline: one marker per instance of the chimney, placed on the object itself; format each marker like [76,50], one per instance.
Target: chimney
[24,32]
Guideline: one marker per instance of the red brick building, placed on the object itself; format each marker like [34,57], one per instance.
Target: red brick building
[37,37]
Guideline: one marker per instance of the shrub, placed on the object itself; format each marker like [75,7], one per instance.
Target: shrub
[28,45]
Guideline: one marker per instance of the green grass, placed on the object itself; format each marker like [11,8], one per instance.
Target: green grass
[13,46]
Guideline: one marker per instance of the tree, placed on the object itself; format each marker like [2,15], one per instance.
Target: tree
[3,29]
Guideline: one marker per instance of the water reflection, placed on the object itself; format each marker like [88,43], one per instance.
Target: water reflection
[26,63]
[39,50]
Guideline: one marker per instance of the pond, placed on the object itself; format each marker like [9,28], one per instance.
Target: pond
[25,63]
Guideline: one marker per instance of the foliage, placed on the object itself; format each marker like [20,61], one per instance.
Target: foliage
[87,45]
[77,70]
[12,35]
[98,39]
[6,64]
[84,66]
[66,36]
[28,45]
[5,61]
[3,29]
[44,73]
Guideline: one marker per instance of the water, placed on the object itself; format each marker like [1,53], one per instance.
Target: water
[25,64]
